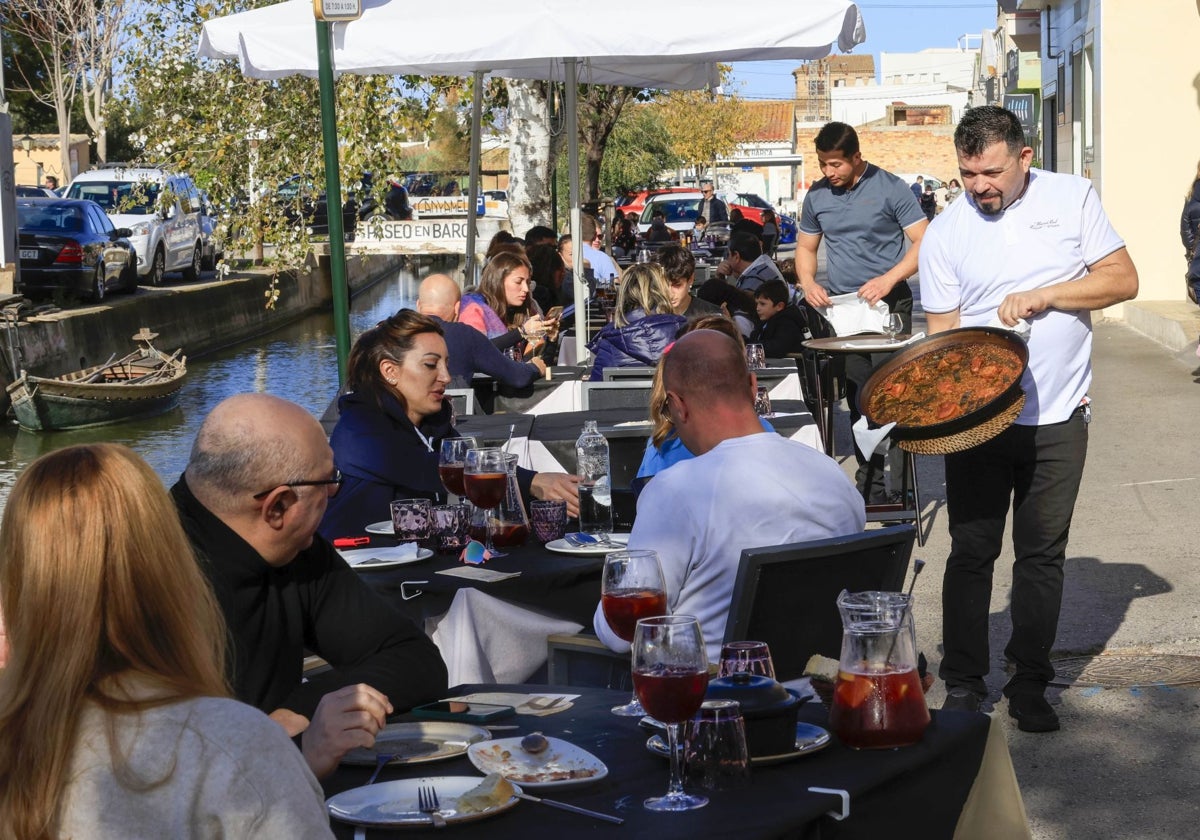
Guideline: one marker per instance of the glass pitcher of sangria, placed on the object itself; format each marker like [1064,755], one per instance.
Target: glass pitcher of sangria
[878,702]
[510,527]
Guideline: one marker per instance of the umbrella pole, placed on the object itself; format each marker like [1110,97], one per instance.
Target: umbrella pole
[469,272]
[333,200]
[570,105]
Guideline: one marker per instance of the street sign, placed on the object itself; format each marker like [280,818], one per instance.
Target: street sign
[336,10]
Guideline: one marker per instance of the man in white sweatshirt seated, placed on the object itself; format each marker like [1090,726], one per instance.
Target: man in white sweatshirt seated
[747,488]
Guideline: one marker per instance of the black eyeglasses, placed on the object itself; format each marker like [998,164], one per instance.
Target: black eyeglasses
[336,481]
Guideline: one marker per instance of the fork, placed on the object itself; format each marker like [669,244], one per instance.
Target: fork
[427,803]
[360,832]
[580,539]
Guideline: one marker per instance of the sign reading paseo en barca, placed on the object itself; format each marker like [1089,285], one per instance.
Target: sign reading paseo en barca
[423,236]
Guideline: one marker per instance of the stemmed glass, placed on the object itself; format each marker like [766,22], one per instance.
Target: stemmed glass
[893,325]
[670,675]
[485,479]
[631,587]
[452,461]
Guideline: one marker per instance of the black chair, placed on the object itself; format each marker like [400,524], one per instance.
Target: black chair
[596,395]
[786,595]
[616,374]
[463,400]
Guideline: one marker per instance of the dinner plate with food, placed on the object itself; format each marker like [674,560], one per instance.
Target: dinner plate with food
[397,804]
[537,761]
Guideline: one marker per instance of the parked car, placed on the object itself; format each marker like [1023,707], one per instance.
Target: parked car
[679,208]
[26,191]
[70,245]
[161,209]
[303,201]
[212,235]
[752,206]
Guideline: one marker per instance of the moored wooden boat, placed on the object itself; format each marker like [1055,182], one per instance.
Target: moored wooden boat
[144,383]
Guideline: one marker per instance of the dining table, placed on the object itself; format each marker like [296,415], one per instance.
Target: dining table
[957,781]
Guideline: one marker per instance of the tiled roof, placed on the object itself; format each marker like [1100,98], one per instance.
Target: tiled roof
[776,116]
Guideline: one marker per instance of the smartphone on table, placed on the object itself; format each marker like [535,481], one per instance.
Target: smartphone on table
[461,710]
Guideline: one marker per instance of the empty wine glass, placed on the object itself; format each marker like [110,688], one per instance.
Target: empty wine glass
[452,461]
[485,479]
[631,587]
[670,675]
[893,325]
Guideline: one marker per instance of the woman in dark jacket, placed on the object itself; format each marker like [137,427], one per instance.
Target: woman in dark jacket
[1189,232]
[392,423]
[643,323]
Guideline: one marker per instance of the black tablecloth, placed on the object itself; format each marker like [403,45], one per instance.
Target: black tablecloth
[561,585]
[916,791]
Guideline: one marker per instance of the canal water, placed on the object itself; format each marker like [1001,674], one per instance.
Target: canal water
[297,362]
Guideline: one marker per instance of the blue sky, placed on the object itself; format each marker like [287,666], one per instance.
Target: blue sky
[892,26]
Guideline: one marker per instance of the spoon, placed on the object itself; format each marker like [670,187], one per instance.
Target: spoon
[918,565]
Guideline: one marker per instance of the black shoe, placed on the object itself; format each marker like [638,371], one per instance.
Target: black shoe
[961,700]
[1033,713]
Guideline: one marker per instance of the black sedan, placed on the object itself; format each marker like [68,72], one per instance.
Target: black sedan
[71,245]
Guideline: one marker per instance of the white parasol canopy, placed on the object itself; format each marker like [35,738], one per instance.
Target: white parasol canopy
[619,42]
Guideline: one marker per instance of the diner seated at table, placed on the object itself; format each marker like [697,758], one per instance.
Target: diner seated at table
[746,264]
[658,231]
[255,488]
[546,275]
[391,424]
[663,447]
[470,352]
[503,309]
[115,716]
[734,302]
[643,322]
[745,488]
[679,266]
[782,327]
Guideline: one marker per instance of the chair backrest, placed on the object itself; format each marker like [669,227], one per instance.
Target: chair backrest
[463,400]
[772,376]
[596,395]
[786,595]
[613,374]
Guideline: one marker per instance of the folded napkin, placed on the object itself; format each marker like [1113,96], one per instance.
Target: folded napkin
[1021,328]
[525,704]
[868,440]
[849,314]
[476,573]
[382,554]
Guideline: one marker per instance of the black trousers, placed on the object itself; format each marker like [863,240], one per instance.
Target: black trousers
[1039,469]
[859,367]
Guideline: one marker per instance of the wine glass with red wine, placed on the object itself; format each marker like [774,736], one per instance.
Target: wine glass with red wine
[485,480]
[452,462]
[670,676]
[631,587]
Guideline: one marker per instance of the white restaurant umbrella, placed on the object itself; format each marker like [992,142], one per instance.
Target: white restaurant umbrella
[620,42]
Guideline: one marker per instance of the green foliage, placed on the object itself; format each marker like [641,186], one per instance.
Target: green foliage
[638,151]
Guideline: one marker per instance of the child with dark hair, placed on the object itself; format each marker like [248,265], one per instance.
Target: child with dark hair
[782,327]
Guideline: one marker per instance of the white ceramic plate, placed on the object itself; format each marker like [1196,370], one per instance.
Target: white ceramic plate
[384,527]
[564,547]
[878,343]
[395,803]
[382,558]
[809,739]
[418,742]
[560,764]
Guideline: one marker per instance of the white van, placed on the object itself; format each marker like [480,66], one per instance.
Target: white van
[162,210]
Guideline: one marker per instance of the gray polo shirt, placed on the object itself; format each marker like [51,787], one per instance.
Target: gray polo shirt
[863,227]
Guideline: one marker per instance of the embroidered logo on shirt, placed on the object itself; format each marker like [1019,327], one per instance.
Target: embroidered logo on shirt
[1049,223]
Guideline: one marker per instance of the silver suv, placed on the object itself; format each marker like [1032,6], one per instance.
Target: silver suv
[161,209]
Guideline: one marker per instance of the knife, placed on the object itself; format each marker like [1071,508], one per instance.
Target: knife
[573,808]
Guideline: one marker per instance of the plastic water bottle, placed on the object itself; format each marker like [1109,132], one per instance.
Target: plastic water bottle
[595,493]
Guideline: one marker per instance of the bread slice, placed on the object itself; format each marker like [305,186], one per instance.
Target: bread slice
[492,792]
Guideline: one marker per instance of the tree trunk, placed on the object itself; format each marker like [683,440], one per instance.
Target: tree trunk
[529,156]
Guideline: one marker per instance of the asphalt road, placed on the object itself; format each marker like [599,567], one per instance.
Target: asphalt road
[1126,763]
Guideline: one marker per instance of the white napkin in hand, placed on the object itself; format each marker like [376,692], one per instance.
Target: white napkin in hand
[869,439]
[850,314]
[1021,328]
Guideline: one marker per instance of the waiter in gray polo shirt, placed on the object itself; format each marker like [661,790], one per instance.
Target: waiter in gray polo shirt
[864,215]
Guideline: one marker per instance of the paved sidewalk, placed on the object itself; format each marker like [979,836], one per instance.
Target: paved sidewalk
[1126,763]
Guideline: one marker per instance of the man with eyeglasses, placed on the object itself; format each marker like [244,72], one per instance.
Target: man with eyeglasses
[253,493]
[712,208]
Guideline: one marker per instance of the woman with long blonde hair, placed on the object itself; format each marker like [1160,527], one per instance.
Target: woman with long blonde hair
[114,712]
[643,323]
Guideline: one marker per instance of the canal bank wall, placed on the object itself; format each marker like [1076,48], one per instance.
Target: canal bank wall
[200,318]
